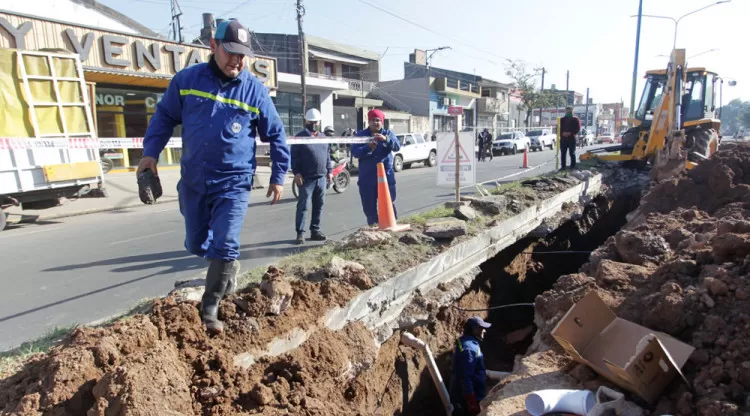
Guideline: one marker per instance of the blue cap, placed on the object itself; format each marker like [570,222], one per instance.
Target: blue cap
[234,37]
[477,321]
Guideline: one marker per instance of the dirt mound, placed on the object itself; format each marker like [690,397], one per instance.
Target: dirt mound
[163,363]
[682,267]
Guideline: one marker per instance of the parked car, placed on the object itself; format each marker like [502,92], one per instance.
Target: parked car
[540,139]
[510,143]
[414,149]
[605,138]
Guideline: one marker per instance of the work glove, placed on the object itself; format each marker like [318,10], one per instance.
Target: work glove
[149,187]
[472,405]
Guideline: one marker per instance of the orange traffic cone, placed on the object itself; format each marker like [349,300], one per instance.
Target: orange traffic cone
[525,157]
[386,217]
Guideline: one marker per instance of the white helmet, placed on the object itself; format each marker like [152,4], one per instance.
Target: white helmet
[313,115]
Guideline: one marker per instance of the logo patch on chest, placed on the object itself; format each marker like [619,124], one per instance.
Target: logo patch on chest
[236,127]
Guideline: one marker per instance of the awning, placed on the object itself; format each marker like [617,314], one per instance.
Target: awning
[113,76]
[367,102]
[327,55]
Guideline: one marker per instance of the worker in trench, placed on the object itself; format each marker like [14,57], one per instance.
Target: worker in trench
[468,380]
[221,108]
[370,154]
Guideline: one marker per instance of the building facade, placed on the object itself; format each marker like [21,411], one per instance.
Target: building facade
[127,69]
[493,108]
[339,79]
[428,92]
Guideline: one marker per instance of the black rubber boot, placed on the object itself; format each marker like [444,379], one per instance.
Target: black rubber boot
[221,279]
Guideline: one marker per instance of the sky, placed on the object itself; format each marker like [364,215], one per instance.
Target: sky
[593,39]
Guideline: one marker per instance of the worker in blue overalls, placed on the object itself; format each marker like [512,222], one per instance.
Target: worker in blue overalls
[221,108]
[370,154]
[468,374]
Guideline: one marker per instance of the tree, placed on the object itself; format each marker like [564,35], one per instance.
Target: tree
[732,115]
[525,83]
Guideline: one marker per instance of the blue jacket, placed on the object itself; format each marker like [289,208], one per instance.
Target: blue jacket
[369,159]
[469,374]
[220,122]
[311,160]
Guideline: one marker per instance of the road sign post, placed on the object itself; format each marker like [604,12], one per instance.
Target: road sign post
[457,111]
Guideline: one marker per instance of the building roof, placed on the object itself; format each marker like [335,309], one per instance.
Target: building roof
[485,82]
[114,14]
[88,13]
[341,48]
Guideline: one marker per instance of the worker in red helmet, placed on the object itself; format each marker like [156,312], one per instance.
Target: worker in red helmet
[379,150]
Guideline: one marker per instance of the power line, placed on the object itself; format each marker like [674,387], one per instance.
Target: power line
[467,43]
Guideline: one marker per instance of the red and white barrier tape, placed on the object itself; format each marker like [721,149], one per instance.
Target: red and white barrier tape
[9,143]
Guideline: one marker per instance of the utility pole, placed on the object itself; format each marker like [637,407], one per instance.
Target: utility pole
[635,61]
[302,54]
[542,92]
[567,87]
[176,21]
[586,117]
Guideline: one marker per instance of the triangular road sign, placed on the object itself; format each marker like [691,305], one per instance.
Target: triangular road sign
[450,154]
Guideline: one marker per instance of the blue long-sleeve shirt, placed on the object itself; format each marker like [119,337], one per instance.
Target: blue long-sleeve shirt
[369,158]
[469,375]
[311,160]
[220,121]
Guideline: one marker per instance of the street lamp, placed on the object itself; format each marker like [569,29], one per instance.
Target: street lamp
[640,15]
[689,57]
[677,21]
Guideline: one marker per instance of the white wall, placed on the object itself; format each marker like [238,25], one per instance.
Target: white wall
[67,11]
[326,108]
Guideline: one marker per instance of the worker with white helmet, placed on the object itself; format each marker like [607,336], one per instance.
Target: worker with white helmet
[312,168]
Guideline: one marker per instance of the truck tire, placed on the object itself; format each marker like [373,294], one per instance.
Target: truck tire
[398,163]
[700,144]
[515,150]
[432,159]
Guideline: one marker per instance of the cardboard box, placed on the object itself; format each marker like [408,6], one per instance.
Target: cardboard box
[634,357]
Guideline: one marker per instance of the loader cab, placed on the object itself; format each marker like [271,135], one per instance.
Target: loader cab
[698,101]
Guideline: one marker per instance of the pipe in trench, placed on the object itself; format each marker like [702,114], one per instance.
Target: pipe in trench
[414,342]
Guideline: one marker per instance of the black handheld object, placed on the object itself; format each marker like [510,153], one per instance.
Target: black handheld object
[149,187]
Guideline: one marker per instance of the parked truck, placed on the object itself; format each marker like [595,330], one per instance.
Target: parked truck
[414,149]
[48,144]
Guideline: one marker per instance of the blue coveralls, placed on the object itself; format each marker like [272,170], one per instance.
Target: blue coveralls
[469,375]
[220,121]
[368,171]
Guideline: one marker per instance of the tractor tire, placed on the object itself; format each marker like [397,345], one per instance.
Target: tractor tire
[701,144]
[630,138]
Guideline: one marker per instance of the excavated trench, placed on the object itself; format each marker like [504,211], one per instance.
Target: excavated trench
[517,275]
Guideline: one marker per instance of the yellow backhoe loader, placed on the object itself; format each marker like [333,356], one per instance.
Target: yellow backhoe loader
[676,124]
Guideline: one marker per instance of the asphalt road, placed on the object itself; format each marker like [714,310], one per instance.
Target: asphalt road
[86,268]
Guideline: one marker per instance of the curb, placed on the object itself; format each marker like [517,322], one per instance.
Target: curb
[109,209]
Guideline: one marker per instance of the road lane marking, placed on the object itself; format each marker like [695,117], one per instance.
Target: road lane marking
[532,168]
[14,235]
[141,237]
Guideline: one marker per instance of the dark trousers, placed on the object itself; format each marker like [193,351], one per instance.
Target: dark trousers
[568,146]
[368,192]
[315,189]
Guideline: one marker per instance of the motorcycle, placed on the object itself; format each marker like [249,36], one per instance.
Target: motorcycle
[341,178]
[106,157]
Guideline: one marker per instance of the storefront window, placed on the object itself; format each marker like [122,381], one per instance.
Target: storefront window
[124,112]
[289,107]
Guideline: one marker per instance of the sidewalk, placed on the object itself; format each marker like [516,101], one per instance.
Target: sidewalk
[122,193]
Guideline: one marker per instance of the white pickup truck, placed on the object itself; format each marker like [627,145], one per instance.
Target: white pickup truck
[539,139]
[510,143]
[414,149]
